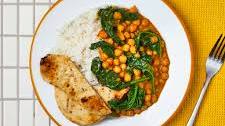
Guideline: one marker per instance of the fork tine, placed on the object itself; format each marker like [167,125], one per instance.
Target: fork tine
[219,51]
[222,50]
[223,57]
[214,48]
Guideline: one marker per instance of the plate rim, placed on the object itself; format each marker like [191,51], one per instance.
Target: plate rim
[186,33]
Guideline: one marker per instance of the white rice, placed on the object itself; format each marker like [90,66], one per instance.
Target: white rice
[75,39]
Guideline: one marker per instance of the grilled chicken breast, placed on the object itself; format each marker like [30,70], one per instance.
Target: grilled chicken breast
[77,100]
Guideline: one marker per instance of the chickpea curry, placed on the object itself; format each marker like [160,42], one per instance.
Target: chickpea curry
[132,59]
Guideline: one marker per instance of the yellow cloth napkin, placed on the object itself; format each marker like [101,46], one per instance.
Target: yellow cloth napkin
[205,21]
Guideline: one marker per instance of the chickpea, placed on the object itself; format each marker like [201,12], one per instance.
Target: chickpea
[103,56]
[130,113]
[102,34]
[144,108]
[110,41]
[133,9]
[120,27]
[137,72]
[165,62]
[127,35]
[156,62]
[121,36]
[154,53]
[137,77]
[156,82]
[133,49]
[127,77]
[133,27]
[123,66]
[122,74]
[116,69]
[137,55]
[131,42]
[126,48]
[137,22]
[148,103]
[156,74]
[165,76]
[161,81]
[118,52]
[124,24]
[149,52]
[154,39]
[145,22]
[105,65]
[116,62]
[154,98]
[127,22]
[156,69]
[123,59]
[110,61]
[164,69]
[117,15]
[141,85]
[141,28]
[132,35]
[148,91]
[142,49]
[123,112]
[164,55]
[147,86]
[147,98]
[137,111]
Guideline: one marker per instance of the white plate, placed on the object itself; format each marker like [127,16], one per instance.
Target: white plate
[166,22]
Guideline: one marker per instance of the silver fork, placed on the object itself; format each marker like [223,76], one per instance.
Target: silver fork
[213,64]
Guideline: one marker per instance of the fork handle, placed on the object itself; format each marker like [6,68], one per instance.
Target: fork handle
[195,111]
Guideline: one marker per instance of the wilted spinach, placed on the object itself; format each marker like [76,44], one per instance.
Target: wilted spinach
[144,66]
[156,47]
[106,47]
[127,16]
[110,78]
[146,58]
[134,99]
[108,23]
[143,39]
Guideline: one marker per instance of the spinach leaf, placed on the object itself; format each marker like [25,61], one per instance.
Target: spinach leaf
[146,58]
[144,66]
[106,77]
[156,47]
[143,39]
[96,65]
[127,16]
[106,47]
[134,99]
[107,22]
[142,79]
